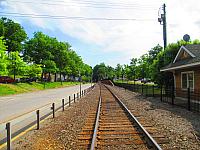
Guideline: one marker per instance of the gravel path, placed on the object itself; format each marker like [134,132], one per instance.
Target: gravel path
[180,126]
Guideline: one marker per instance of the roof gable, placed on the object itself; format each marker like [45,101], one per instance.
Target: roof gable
[183,53]
[187,56]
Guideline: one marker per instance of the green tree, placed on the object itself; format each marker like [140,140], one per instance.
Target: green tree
[16,66]
[110,72]
[133,67]
[13,34]
[33,70]
[152,53]
[38,50]
[118,71]
[3,58]
[99,72]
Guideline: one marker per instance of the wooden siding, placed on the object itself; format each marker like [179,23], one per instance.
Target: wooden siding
[183,55]
[196,77]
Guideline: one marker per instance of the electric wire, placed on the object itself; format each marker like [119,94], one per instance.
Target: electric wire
[92,5]
[72,17]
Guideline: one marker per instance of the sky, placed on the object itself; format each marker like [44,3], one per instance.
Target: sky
[106,31]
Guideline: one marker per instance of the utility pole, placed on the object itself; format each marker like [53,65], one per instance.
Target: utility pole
[163,22]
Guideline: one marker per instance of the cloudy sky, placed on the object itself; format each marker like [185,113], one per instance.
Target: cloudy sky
[107,31]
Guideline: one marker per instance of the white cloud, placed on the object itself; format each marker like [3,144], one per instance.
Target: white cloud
[132,38]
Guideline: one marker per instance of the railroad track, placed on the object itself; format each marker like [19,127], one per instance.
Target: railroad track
[112,126]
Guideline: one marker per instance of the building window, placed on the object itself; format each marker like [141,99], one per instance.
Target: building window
[187,80]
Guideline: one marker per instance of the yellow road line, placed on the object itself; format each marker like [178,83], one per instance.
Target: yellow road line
[22,133]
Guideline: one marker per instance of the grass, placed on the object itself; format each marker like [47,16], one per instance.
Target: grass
[146,90]
[16,88]
[136,82]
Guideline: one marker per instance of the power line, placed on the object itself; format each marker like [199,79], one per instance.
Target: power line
[87,2]
[92,5]
[72,17]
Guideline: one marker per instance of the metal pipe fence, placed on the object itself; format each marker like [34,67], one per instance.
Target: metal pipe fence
[30,120]
[187,98]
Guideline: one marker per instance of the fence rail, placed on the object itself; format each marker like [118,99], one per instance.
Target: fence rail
[5,140]
[188,98]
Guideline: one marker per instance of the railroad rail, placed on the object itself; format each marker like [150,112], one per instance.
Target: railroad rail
[113,126]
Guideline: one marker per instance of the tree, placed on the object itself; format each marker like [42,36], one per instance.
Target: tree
[99,72]
[118,71]
[110,72]
[132,67]
[13,34]
[33,70]
[3,58]
[152,53]
[127,72]
[38,50]
[16,66]
[61,59]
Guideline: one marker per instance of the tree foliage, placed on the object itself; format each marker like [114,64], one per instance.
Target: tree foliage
[13,34]
[3,58]
[40,54]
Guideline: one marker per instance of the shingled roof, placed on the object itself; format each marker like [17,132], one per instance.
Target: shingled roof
[194,50]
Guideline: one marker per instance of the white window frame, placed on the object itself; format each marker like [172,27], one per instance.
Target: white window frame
[187,72]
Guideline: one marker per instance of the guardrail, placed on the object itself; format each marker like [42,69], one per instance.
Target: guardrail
[33,118]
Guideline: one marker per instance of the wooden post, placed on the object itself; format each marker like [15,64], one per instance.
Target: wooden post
[69,101]
[63,104]
[38,119]
[74,98]
[8,128]
[53,109]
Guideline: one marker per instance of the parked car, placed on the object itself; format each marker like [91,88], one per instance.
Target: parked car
[6,79]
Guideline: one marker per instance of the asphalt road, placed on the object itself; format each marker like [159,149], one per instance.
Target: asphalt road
[15,105]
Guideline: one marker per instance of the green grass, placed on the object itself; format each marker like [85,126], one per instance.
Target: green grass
[132,82]
[16,88]
[146,90]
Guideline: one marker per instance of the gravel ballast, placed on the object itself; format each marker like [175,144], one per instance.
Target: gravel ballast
[180,126]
